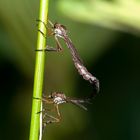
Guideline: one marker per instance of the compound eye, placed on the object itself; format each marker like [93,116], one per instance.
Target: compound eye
[64,27]
[55,25]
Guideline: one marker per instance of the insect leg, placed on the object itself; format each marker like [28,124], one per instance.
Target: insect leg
[52,49]
[46,26]
[38,20]
[53,119]
[59,47]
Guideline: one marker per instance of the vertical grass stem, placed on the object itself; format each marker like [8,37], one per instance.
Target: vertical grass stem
[39,72]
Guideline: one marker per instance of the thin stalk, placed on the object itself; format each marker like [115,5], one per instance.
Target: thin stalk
[39,73]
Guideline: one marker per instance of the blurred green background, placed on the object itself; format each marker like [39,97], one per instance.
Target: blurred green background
[106,34]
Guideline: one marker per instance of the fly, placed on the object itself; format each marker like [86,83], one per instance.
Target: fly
[55,99]
[60,31]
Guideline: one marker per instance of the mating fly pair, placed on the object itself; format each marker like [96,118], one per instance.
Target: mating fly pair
[56,98]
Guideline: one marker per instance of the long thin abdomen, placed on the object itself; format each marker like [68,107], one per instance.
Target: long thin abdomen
[81,68]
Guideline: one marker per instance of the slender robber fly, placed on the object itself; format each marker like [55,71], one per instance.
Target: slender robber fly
[60,31]
[57,98]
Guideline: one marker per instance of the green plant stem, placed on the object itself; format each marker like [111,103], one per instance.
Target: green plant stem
[39,73]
